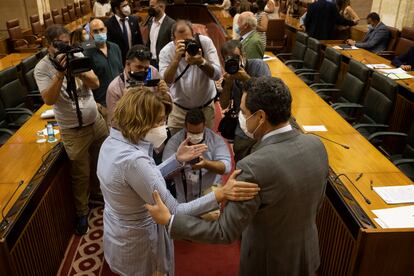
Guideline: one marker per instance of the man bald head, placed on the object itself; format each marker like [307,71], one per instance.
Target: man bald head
[247,22]
[98,31]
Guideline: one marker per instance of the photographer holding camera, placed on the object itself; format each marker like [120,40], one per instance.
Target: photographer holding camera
[137,71]
[190,65]
[65,81]
[239,70]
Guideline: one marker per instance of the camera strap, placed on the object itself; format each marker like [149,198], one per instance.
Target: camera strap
[71,90]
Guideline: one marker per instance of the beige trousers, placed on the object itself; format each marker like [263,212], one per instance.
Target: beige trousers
[82,146]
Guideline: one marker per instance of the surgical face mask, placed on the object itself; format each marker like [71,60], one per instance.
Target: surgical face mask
[243,125]
[153,12]
[126,10]
[237,29]
[370,27]
[156,136]
[100,38]
[86,37]
[195,138]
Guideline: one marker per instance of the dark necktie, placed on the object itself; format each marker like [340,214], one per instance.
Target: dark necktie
[125,33]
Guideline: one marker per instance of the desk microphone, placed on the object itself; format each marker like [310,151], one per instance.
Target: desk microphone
[342,174]
[339,144]
[8,201]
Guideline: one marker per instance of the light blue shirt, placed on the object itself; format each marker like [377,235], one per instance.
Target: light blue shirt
[133,243]
[194,88]
[217,151]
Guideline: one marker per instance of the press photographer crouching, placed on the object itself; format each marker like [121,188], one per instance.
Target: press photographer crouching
[65,81]
[238,69]
[137,72]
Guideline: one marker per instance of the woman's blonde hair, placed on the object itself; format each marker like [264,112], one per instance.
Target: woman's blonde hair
[139,110]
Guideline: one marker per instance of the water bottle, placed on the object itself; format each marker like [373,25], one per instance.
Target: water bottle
[50,133]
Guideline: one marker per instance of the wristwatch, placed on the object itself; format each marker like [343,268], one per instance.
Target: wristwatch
[203,63]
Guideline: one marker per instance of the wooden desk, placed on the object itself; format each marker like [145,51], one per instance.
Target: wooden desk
[13,59]
[35,193]
[78,22]
[351,243]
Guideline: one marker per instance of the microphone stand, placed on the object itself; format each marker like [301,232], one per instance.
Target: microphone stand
[359,191]
[332,141]
[5,221]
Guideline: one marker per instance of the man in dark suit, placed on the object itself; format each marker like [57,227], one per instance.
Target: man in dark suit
[279,228]
[321,19]
[377,37]
[123,28]
[159,26]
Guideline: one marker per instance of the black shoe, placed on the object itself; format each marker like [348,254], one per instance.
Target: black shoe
[82,226]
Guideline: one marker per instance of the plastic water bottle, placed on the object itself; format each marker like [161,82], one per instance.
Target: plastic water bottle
[50,133]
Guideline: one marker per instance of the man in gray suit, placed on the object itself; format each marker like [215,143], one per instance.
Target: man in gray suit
[279,229]
[159,27]
[377,37]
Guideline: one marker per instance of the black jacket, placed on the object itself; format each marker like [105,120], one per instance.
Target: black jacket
[115,33]
[164,35]
[321,19]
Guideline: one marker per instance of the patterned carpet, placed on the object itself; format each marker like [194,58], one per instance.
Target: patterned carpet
[84,255]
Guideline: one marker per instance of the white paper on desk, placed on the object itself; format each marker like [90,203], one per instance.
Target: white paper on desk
[267,57]
[399,217]
[378,66]
[381,223]
[314,128]
[396,74]
[393,71]
[396,194]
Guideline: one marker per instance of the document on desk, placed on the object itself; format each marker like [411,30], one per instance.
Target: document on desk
[267,57]
[345,47]
[315,128]
[399,217]
[396,194]
[396,74]
[378,66]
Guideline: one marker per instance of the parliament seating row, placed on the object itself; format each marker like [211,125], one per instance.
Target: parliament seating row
[19,95]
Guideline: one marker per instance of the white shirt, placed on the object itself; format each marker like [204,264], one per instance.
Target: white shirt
[246,35]
[277,131]
[100,10]
[127,27]
[155,29]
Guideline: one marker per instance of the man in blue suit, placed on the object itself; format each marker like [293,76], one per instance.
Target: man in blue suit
[377,37]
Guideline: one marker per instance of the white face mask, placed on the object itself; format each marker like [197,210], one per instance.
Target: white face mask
[370,27]
[156,136]
[195,138]
[126,10]
[243,125]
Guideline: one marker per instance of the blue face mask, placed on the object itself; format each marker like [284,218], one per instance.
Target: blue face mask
[237,29]
[100,38]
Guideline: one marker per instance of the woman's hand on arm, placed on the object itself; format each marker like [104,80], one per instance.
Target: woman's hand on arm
[235,190]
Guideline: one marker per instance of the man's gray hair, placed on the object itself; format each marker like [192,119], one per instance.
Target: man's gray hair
[250,19]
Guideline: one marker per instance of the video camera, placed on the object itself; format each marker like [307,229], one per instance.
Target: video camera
[232,64]
[75,65]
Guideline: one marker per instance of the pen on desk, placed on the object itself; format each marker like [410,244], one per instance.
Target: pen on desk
[359,177]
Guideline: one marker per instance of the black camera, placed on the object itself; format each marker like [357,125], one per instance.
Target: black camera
[192,47]
[140,78]
[75,65]
[232,64]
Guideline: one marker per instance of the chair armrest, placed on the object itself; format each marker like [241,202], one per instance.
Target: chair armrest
[338,106]
[5,130]
[34,93]
[308,73]
[31,38]
[303,70]
[386,133]
[329,90]
[16,111]
[318,84]
[403,161]
[284,55]
[293,61]
[357,126]
[20,42]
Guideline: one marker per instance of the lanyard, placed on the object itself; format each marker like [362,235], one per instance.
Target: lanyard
[184,180]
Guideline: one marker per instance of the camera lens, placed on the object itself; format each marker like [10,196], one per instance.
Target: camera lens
[192,47]
[231,64]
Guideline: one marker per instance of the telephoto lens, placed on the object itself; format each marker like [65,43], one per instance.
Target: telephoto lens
[192,47]
[231,64]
